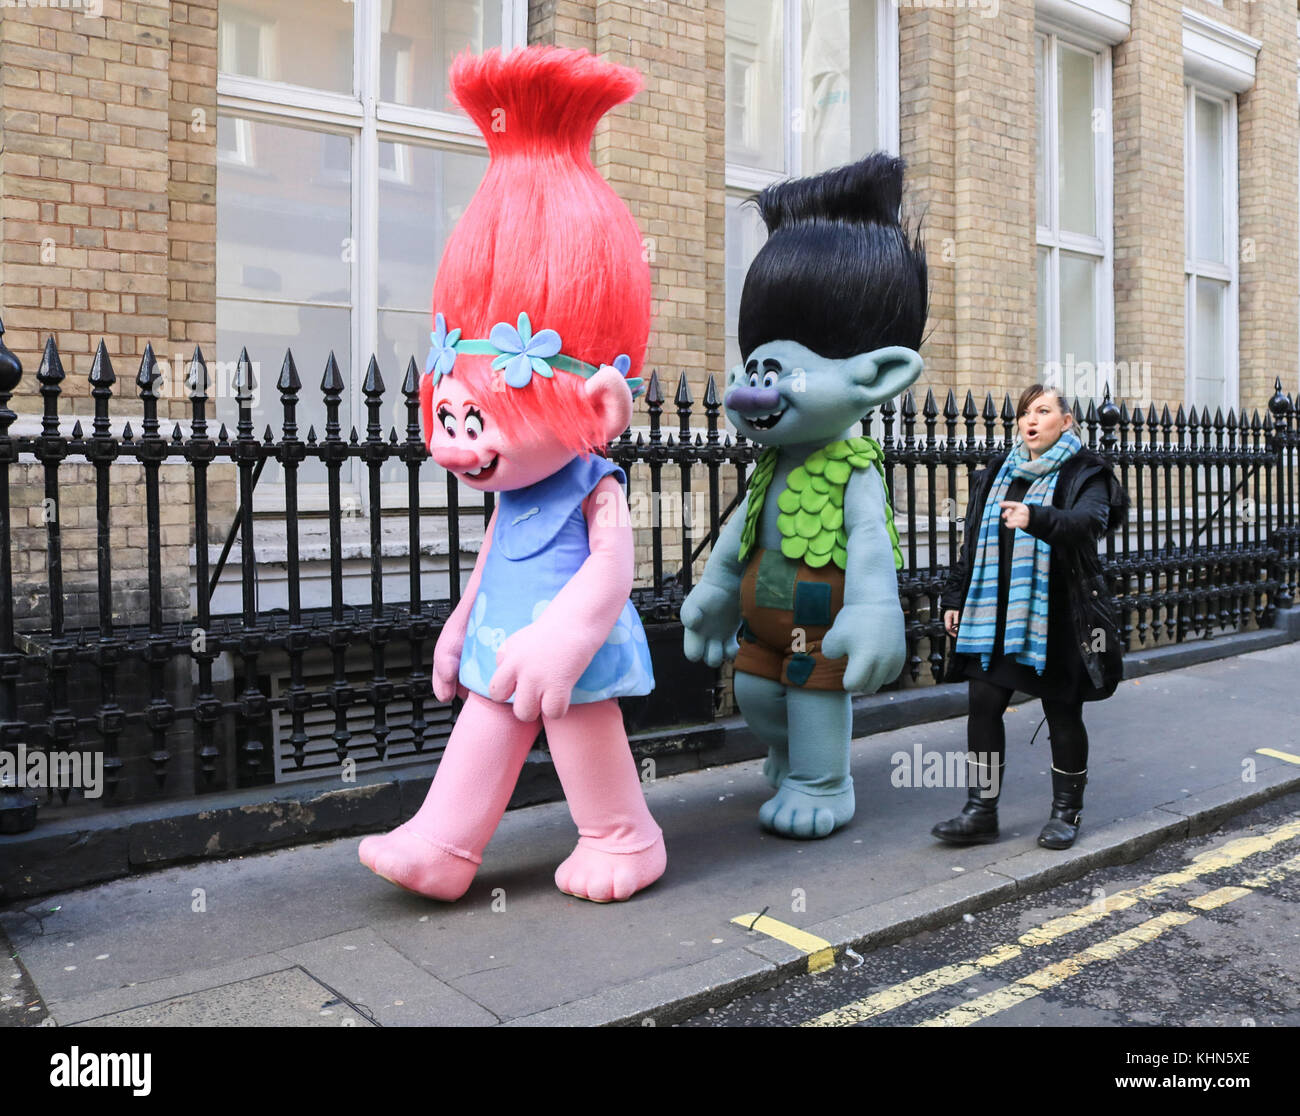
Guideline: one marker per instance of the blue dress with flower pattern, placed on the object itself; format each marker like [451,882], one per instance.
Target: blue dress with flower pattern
[538,544]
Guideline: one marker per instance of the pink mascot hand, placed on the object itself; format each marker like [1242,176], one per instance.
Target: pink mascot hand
[540,664]
[446,662]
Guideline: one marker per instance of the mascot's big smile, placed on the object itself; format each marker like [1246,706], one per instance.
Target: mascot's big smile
[483,472]
[765,422]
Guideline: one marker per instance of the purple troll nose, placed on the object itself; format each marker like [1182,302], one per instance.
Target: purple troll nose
[753,401]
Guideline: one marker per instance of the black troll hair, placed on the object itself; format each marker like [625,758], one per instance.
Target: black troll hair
[838,273]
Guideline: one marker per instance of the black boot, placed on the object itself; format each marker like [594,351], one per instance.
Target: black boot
[1067,809]
[977,824]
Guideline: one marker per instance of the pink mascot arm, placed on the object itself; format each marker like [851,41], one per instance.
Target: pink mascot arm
[541,663]
[446,654]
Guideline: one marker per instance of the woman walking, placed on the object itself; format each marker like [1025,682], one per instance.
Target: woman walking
[1028,606]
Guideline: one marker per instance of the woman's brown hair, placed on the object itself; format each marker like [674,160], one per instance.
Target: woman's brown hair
[1033,391]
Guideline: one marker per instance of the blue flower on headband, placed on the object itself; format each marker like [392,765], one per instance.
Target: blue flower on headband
[522,353]
[442,354]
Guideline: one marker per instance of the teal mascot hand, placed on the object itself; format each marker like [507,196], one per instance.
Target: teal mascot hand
[801,588]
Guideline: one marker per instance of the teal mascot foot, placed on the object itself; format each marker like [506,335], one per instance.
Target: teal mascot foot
[793,812]
[815,797]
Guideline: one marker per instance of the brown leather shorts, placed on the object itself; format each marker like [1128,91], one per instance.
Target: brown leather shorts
[786,609]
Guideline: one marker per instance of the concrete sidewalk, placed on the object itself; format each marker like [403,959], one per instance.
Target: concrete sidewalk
[308,936]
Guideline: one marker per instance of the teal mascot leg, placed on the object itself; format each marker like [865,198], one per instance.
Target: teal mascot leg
[816,796]
[762,702]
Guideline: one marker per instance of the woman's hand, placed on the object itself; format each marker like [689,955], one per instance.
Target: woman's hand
[1014,514]
[950,620]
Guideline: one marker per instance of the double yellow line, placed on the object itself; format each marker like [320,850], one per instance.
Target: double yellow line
[1214,860]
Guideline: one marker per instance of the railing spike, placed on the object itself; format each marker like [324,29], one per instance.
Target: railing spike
[411,381]
[373,384]
[332,380]
[288,381]
[101,368]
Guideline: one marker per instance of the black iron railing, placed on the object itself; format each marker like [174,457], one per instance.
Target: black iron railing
[185,701]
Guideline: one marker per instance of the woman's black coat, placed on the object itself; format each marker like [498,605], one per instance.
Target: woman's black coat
[1071,526]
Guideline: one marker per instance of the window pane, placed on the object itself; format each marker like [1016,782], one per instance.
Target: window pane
[1076,174]
[1209,375]
[284,215]
[302,42]
[1040,101]
[1078,309]
[267,330]
[420,38]
[1209,180]
[1044,305]
[745,236]
[756,125]
[838,121]
[419,204]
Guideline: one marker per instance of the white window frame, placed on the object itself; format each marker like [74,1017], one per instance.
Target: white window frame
[1194,267]
[743,182]
[365,121]
[1051,236]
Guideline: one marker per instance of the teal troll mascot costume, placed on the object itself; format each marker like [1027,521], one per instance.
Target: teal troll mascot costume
[801,588]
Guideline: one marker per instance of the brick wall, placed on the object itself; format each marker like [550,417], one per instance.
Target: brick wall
[191,188]
[107,230]
[84,179]
[926,104]
[1149,247]
[1269,269]
[664,154]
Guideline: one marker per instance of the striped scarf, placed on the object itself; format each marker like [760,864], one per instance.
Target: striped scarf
[1026,631]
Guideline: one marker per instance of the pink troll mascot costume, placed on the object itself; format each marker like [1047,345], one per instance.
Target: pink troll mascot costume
[542,312]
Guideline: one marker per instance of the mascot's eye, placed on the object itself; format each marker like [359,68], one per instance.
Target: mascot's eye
[473,423]
[770,378]
[753,379]
[448,421]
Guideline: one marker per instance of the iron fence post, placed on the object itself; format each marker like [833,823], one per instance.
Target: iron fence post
[17,807]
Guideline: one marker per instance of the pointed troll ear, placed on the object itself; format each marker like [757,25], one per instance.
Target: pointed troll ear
[611,399]
[886,372]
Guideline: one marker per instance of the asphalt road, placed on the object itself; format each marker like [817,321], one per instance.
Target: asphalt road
[1202,932]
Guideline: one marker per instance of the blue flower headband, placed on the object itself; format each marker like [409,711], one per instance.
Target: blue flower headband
[518,350]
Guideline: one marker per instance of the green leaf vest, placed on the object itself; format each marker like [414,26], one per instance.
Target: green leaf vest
[811,519]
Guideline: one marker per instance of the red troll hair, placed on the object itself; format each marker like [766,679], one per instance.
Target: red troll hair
[544,234]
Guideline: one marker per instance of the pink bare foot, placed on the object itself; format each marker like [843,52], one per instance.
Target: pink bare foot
[591,873]
[417,864]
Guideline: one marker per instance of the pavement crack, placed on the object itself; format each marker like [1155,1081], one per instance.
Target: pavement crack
[475,972]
